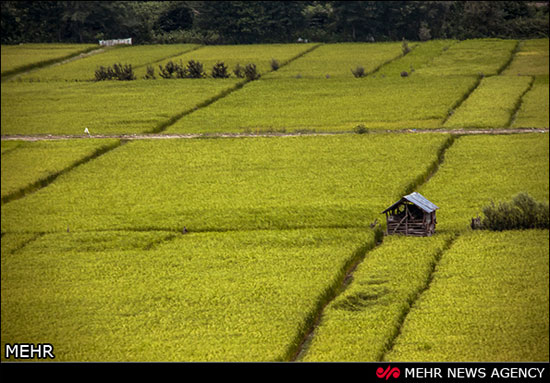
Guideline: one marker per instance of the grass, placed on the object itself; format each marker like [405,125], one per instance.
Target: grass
[104,108]
[471,57]
[358,324]
[330,105]
[239,296]
[17,58]
[491,105]
[480,169]
[488,302]
[531,59]
[337,60]
[84,69]
[534,108]
[229,184]
[31,163]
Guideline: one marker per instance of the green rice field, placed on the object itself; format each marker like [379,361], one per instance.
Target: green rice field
[240,220]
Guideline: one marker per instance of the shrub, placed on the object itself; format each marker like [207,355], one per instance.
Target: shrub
[275,64]
[124,73]
[250,72]
[117,72]
[219,70]
[358,72]
[360,129]
[238,71]
[523,212]
[194,70]
[168,70]
[404,74]
[150,75]
[405,47]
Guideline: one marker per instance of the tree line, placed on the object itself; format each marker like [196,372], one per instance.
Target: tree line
[246,22]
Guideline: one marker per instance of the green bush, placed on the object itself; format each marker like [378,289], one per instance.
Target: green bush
[275,64]
[219,70]
[238,71]
[168,70]
[194,69]
[358,72]
[150,75]
[250,72]
[117,72]
[523,212]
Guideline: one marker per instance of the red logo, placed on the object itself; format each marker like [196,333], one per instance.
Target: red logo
[393,372]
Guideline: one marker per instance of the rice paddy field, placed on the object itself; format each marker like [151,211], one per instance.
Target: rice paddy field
[240,220]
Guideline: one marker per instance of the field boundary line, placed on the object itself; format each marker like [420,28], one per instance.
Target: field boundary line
[43,182]
[518,104]
[300,346]
[172,120]
[26,243]
[519,44]
[462,99]
[171,56]
[412,302]
[401,55]
[160,136]
[8,75]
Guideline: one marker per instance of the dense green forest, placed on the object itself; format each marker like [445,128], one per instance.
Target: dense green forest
[241,22]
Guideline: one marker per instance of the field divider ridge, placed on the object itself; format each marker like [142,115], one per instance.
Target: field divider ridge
[461,100]
[518,103]
[511,58]
[172,120]
[41,64]
[171,56]
[401,55]
[299,347]
[43,182]
[412,302]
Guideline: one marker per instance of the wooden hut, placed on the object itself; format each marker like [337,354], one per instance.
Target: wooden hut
[411,215]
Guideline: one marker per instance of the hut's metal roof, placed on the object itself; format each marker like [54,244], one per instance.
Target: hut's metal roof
[419,200]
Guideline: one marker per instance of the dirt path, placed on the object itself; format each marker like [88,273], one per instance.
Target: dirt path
[17,137]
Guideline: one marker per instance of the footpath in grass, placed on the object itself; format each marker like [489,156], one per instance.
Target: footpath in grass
[488,301]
